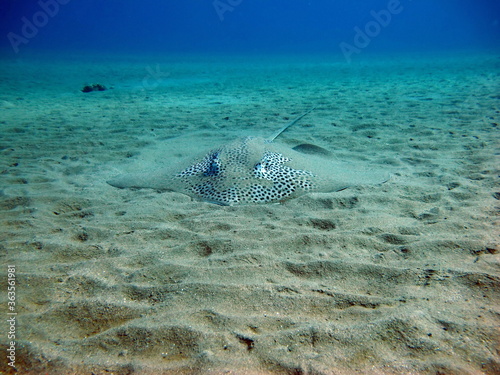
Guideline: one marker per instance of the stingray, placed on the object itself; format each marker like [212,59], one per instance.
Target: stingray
[253,170]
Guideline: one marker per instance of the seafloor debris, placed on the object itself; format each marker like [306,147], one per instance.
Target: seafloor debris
[94,87]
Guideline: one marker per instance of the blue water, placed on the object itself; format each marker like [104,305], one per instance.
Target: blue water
[249,26]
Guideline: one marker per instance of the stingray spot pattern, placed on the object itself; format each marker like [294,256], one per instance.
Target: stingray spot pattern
[239,173]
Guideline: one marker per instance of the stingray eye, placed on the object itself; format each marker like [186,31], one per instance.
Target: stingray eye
[213,165]
[259,168]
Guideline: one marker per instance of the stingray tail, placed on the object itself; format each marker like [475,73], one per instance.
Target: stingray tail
[275,135]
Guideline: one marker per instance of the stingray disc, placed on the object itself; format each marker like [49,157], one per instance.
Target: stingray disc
[244,171]
[251,170]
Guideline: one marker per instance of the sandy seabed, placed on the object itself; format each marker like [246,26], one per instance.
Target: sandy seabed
[398,278]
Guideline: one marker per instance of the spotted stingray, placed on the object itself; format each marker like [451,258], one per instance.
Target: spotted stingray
[254,170]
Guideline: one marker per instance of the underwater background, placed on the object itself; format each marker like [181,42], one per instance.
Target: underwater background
[112,266]
[250,27]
